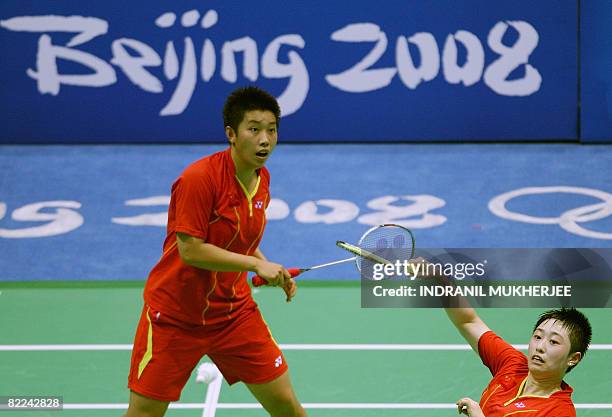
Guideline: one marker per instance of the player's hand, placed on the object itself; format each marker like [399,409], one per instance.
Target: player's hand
[423,269]
[419,267]
[275,274]
[290,289]
[469,407]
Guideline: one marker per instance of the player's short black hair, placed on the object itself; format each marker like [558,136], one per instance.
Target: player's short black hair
[577,326]
[246,99]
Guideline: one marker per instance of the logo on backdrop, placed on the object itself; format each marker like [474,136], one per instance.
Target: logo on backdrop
[135,58]
[569,220]
[412,211]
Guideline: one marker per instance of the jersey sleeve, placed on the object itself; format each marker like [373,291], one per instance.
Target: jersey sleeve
[193,194]
[497,354]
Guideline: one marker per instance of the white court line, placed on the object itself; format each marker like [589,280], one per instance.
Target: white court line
[63,347]
[77,347]
[320,406]
[361,406]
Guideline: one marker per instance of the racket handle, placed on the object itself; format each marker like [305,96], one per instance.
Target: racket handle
[258,281]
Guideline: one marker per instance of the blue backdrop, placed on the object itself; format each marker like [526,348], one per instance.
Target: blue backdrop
[99,212]
[596,74]
[117,71]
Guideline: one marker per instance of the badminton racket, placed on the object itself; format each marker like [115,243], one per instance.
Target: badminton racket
[385,243]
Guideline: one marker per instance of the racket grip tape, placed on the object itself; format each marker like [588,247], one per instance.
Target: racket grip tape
[258,281]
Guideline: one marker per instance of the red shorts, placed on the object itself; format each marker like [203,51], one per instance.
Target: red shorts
[167,350]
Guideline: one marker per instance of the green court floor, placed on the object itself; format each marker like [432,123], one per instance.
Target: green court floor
[324,314]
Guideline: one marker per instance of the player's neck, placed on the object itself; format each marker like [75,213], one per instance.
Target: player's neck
[245,174]
[541,387]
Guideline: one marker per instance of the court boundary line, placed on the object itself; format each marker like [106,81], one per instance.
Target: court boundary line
[327,406]
[320,406]
[288,346]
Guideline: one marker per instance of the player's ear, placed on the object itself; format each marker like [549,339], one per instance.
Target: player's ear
[574,358]
[231,135]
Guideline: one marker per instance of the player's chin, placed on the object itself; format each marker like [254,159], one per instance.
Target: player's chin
[537,368]
[260,161]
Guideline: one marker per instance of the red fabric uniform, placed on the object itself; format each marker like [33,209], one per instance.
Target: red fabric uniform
[509,369]
[209,203]
[196,311]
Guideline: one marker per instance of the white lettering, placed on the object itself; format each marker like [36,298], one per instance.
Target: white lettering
[277,210]
[250,69]
[61,221]
[208,61]
[496,75]
[86,27]
[430,59]
[46,72]
[377,272]
[156,219]
[341,211]
[360,78]
[471,71]
[48,78]
[404,215]
[171,64]
[186,85]
[295,94]
[134,66]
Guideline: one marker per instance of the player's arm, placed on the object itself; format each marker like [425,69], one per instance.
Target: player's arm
[469,324]
[462,315]
[259,254]
[195,252]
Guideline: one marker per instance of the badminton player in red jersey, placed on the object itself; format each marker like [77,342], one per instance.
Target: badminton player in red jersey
[197,299]
[532,385]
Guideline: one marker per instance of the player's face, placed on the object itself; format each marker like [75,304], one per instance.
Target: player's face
[255,139]
[549,350]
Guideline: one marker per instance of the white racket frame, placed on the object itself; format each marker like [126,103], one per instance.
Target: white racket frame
[360,252]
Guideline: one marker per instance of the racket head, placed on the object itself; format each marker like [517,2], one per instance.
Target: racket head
[385,243]
[390,241]
[361,253]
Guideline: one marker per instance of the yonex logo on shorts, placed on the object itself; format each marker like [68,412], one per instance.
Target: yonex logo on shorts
[278,362]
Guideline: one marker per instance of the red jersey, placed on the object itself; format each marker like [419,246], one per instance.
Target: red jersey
[509,369]
[209,202]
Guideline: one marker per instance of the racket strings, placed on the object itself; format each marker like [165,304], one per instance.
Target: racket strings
[390,242]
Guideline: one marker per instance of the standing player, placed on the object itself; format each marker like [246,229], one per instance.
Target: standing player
[197,299]
[529,385]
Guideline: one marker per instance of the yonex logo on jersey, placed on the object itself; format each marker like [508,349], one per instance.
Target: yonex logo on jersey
[278,361]
[258,204]
[520,405]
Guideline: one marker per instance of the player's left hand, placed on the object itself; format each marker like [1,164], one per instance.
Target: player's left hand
[290,289]
[469,407]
